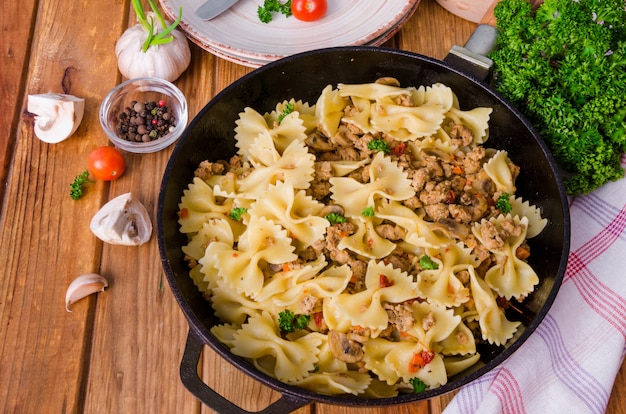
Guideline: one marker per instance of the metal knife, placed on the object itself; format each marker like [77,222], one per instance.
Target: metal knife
[212,8]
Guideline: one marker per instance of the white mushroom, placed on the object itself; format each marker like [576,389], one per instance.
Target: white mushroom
[57,115]
[124,221]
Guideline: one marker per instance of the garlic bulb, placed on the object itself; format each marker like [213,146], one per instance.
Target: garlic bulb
[84,286]
[139,55]
[57,115]
[124,221]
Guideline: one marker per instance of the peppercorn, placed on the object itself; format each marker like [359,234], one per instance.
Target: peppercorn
[145,121]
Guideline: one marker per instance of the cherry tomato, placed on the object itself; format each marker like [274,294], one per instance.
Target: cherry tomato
[308,10]
[106,163]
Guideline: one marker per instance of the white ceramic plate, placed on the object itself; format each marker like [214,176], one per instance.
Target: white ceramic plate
[239,34]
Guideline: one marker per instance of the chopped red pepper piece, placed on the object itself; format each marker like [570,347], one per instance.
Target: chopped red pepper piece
[385,281]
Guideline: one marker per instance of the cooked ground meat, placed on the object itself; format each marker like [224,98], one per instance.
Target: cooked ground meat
[400,315]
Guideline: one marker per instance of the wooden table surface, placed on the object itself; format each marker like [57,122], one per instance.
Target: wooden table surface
[118,351]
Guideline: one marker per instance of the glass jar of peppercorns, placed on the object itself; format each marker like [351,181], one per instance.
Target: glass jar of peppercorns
[144,115]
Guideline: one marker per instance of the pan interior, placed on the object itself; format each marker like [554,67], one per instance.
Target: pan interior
[211,136]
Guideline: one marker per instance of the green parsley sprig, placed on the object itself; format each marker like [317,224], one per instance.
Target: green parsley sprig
[237,213]
[335,218]
[76,188]
[289,108]
[564,66]
[290,322]
[379,145]
[269,7]
[368,212]
[427,263]
[503,204]
[418,385]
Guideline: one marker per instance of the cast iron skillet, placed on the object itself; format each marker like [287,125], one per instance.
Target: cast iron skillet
[210,136]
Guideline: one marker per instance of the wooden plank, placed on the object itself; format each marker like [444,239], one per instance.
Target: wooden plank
[45,241]
[17,20]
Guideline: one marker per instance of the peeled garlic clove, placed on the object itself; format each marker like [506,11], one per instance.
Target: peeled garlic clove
[84,286]
[124,221]
[57,115]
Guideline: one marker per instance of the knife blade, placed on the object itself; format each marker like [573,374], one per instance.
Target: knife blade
[212,8]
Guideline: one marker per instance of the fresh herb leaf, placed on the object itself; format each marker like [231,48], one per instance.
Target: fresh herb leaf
[368,212]
[564,66]
[379,145]
[427,263]
[335,218]
[237,212]
[288,321]
[289,108]
[302,321]
[418,385]
[266,12]
[503,204]
[153,38]
[76,188]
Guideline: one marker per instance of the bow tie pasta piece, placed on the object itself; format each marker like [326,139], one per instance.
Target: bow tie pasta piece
[295,211]
[328,284]
[294,167]
[335,383]
[433,323]
[476,119]
[366,241]
[511,276]
[372,91]
[333,376]
[249,125]
[457,364]
[442,285]
[393,361]
[215,229]
[343,168]
[225,333]
[198,205]
[233,307]
[360,116]
[285,360]
[437,94]
[290,128]
[198,278]
[387,180]
[461,341]
[365,309]
[263,153]
[263,240]
[406,123]
[494,326]
[305,112]
[329,110]
[419,232]
[521,208]
[497,168]
[289,277]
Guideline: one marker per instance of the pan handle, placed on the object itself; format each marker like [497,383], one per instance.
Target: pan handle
[208,396]
[472,58]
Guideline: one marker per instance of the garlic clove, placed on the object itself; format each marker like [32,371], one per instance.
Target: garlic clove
[123,221]
[84,286]
[57,115]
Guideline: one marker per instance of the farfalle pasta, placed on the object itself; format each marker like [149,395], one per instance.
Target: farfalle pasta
[366,244]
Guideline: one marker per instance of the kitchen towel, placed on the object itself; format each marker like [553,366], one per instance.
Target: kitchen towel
[569,364]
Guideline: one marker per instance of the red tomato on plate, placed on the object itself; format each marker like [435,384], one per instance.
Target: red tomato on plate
[106,163]
[308,10]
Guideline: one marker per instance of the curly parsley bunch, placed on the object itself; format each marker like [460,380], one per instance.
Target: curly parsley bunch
[564,67]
